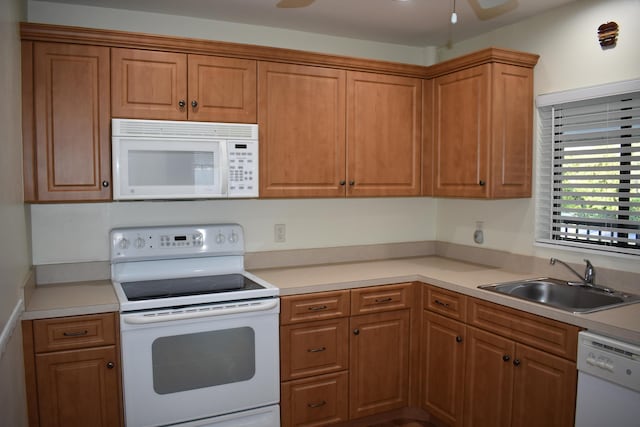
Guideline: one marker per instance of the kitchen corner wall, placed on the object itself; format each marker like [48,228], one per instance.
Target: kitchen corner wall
[14,247]
[570,57]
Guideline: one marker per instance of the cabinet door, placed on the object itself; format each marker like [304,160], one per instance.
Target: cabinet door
[512,123]
[489,379]
[71,149]
[222,89]
[301,113]
[384,132]
[79,388]
[443,367]
[148,84]
[544,389]
[378,362]
[461,133]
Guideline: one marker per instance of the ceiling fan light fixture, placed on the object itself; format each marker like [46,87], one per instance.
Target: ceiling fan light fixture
[454,15]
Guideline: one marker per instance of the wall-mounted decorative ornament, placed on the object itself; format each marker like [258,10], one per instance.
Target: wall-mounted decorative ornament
[608,35]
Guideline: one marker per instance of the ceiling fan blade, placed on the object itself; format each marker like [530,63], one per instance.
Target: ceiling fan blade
[292,4]
[487,9]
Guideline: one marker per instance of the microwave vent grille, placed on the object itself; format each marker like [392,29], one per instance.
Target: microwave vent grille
[170,129]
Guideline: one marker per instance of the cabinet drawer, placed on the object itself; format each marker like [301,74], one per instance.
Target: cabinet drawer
[314,348]
[381,298]
[447,303]
[317,401]
[545,334]
[66,333]
[316,306]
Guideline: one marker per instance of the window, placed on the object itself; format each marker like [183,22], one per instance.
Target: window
[589,168]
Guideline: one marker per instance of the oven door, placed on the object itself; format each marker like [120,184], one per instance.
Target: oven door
[200,361]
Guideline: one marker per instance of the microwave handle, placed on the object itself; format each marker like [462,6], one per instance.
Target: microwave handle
[142,319]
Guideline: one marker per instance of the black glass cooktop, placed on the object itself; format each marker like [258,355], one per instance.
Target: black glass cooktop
[168,288]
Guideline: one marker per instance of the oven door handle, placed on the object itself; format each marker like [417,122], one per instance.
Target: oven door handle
[194,313]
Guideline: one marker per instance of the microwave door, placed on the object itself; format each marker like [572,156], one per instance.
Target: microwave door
[169,169]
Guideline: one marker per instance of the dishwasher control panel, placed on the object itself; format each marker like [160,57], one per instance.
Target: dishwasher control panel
[609,359]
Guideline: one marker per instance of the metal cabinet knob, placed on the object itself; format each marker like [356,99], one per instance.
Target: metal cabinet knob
[506,358]
[458,338]
[482,183]
[194,103]
[105,184]
[343,182]
[352,183]
[516,362]
[356,331]
[110,365]
[182,103]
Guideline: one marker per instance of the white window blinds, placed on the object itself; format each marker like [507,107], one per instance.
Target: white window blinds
[589,173]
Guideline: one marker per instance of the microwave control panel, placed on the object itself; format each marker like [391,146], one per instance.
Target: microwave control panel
[243,168]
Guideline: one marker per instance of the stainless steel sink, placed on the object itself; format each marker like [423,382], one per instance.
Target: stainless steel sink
[570,296]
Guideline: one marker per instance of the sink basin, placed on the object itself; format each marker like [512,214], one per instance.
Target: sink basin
[568,296]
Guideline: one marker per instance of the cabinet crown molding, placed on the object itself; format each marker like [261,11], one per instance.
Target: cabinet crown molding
[114,38]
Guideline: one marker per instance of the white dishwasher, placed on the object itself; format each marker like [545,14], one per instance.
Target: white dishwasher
[608,382]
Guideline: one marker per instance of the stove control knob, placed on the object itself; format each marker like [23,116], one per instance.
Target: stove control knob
[197,239]
[139,243]
[233,238]
[123,243]
[220,238]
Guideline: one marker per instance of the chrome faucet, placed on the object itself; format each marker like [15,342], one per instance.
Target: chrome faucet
[589,271]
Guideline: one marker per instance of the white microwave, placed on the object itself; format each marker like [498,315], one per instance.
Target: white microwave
[160,159]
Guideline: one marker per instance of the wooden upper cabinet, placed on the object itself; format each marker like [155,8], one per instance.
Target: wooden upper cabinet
[224,89]
[66,122]
[301,112]
[148,84]
[482,131]
[461,132]
[384,124]
[176,86]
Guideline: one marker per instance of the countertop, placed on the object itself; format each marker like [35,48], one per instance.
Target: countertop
[88,297]
[71,299]
[622,323]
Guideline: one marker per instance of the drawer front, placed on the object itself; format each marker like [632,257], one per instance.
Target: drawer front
[381,298]
[66,333]
[447,303]
[316,306]
[545,334]
[313,348]
[317,401]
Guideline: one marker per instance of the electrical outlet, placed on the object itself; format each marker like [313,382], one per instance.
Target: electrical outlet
[279,233]
[478,234]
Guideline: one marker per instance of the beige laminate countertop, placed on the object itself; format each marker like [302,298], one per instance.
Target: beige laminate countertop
[622,323]
[88,297]
[71,299]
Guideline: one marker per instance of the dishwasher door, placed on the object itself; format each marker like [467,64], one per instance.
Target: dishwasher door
[608,382]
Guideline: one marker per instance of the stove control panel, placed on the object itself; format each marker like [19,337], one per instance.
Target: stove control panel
[141,243]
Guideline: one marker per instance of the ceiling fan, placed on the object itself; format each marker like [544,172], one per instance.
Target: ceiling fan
[484,9]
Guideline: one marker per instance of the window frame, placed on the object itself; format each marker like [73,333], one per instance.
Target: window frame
[546,151]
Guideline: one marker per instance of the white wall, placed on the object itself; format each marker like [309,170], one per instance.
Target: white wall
[14,258]
[155,23]
[570,57]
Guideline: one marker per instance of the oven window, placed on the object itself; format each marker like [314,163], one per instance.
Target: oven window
[204,359]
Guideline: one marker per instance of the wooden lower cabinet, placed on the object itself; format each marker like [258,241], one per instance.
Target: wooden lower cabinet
[316,401]
[72,371]
[443,366]
[345,354]
[76,388]
[379,362]
[479,377]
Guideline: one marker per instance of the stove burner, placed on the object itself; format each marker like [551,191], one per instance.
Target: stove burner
[185,286]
